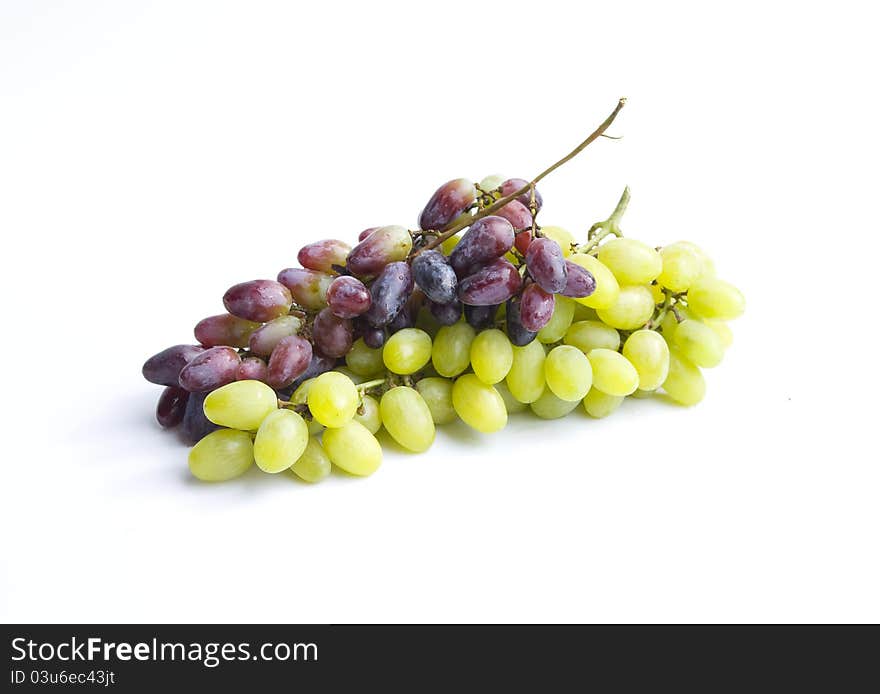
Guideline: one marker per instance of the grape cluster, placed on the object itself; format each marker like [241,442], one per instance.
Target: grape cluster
[479,314]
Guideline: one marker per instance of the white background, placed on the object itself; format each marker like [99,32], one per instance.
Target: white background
[152,154]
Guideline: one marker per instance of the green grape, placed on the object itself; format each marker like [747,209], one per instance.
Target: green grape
[240,405]
[437,394]
[599,404]
[407,351]
[350,375]
[668,326]
[222,455]
[648,353]
[449,244]
[353,448]
[607,286]
[707,267]
[526,377]
[710,297]
[478,404]
[563,237]
[698,343]
[633,308]
[315,427]
[588,335]
[301,394]
[491,182]
[363,360]
[612,372]
[582,312]
[548,406]
[333,399]
[280,441]
[563,314]
[568,373]
[684,383]
[407,418]
[451,353]
[370,418]
[491,356]
[681,267]
[314,463]
[631,261]
[511,403]
[722,330]
[657,293]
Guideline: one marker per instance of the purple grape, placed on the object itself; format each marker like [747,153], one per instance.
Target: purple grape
[252,369]
[511,185]
[579,282]
[171,406]
[289,359]
[347,297]
[390,291]
[332,335]
[486,239]
[309,288]
[365,233]
[432,272]
[546,265]
[383,246]
[516,332]
[224,330]
[480,317]
[164,368]
[446,314]
[263,340]
[535,308]
[209,370]
[447,203]
[258,300]
[374,337]
[318,365]
[323,255]
[517,214]
[493,284]
[406,317]
[195,425]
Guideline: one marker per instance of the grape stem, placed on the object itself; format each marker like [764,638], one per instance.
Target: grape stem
[370,384]
[600,230]
[498,204]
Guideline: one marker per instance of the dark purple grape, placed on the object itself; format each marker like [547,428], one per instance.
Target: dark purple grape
[447,203]
[347,297]
[535,308]
[309,288]
[258,300]
[408,315]
[289,359]
[209,370]
[263,340]
[171,406]
[511,185]
[252,369]
[480,317]
[432,272]
[446,314]
[318,365]
[546,264]
[517,333]
[390,291]
[323,255]
[332,335]
[365,233]
[493,284]
[385,245]
[374,337]
[224,330]
[579,282]
[164,368]
[195,425]
[486,239]
[517,214]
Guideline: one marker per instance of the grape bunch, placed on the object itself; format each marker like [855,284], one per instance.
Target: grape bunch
[478,314]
